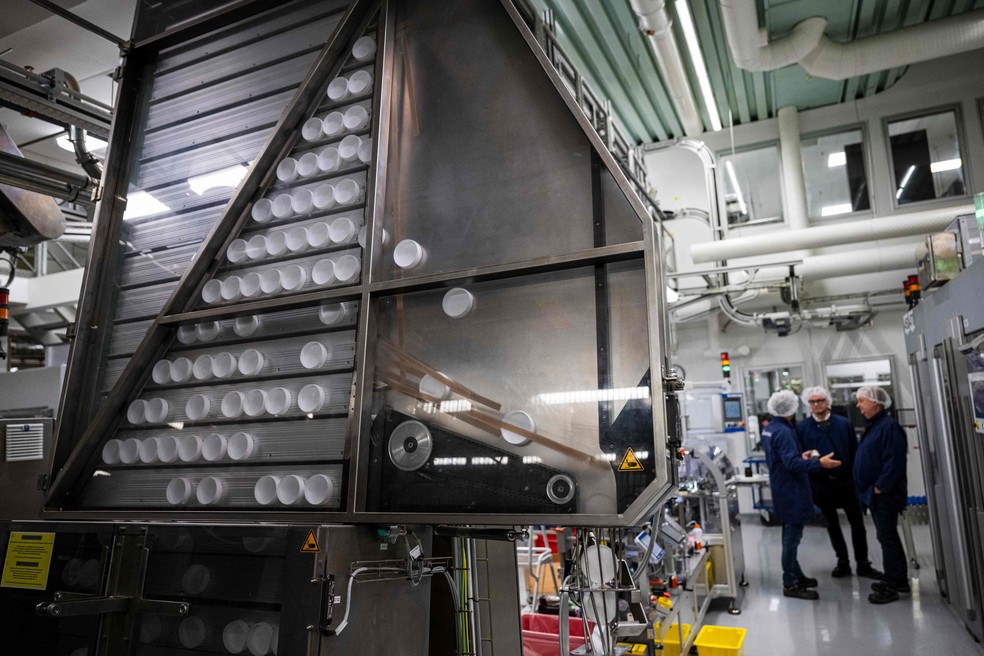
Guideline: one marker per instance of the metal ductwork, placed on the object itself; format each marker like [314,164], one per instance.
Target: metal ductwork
[783,241]
[76,135]
[655,22]
[793,181]
[808,46]
[874,258]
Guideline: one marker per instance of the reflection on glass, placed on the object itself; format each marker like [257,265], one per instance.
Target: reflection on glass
[833,168]
[751,186]
[926,158]
[844,379]
[506,408]
[760,384]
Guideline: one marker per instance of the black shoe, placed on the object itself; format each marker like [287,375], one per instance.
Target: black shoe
[866,570]
[883,596]
[843,569]
[799,592]
[896,588]
[807,582]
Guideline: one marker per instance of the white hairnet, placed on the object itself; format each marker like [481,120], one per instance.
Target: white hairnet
[815,391]
[783,403]
[876,394]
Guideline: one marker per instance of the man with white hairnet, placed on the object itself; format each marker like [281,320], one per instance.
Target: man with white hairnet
[789,478]
[880,479]
[823,432]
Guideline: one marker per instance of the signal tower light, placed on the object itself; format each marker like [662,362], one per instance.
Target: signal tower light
[725,365]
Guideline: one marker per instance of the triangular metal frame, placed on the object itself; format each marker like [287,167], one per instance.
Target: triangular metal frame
[179,306]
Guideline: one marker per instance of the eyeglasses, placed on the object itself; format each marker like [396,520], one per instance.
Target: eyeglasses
[816,401]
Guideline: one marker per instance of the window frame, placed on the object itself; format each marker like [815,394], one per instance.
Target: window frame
[886,122]
[866,159]
[721,182]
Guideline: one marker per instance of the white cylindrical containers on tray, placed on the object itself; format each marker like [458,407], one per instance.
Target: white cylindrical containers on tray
[328,159]
[278,401]
[210,490]
[307,165]
[236,252]
[262,210]
[359,83]
[324,196]
[323,272]
[148,450]
[311,130]
[254,402]
[247,326]
[186,334]
[364,49]
[348,148]
[161,373]
[319,235]
[408,254]
[208,331]
[348,192]
[365,151]
[302,202]
[224,364]
[111,452]
[214,447]
[212,292]
[190,448]
[347,268]
[250,285]
[314,355]
[282,206]
[519,419]
[231,289]
[156,411]
[355,117]
[287,168]
[232,404]
[202,369]
[276,243]
[318,489]
[179,491]
[130,451]
[270,281]
[290,489]
[241,446]
[181,369]
[293,277]
[265,489]
[198,407]
[293,489]
[333,124]
[297,239]
[458,303]
[251,362]
[311,398]
[343,230]
[336,313]
[167,448]
[338,89]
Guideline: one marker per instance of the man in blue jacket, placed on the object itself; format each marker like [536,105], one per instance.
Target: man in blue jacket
[789,478]
[880,479]
[825,432]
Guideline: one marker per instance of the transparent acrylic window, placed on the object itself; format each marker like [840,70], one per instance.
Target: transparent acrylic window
[512,396]
[834,171]
[926,158]
[750,181]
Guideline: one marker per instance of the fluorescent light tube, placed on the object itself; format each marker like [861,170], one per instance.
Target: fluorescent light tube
[945,165]
[834,210]
[228,177]
[734,183]
[693,47]
[140,203]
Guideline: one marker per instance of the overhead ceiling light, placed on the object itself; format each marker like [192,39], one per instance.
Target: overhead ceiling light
[734,183]
[945,165]
[834,210]
[905,181]
[91,142]
[693,47]
[836,159]
[228,177]
[140,203]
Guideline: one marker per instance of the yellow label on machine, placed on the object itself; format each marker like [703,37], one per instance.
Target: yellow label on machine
[630,463]
[28,560]
[310,544]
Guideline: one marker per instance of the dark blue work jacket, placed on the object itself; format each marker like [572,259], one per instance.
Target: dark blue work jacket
[838,437]
[880,462]
[789,472]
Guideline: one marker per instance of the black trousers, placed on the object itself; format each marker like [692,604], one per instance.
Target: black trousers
[829,495]
[893,554]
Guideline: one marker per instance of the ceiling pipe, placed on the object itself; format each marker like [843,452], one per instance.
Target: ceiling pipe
[76,135]
[808,46]
[655,22]
[873,259]
[750,46]
[909,45]
[899,225]
[791,160]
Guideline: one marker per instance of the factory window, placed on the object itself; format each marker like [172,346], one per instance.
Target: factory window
[750,183]
[926,158]
[834,171]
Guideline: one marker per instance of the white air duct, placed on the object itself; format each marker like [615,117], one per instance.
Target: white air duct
[654,19]
[751,48]
[854,232]
[820,57]
[793,182]
[871,260]
[938,38]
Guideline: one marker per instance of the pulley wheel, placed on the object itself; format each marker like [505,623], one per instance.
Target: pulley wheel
[410,445]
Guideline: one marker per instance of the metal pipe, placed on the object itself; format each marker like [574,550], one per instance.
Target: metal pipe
[34,176]
[793,182]
[76,135]
[81,22]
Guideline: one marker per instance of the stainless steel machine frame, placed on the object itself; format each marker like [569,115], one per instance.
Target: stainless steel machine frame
[944,337]
[82,427]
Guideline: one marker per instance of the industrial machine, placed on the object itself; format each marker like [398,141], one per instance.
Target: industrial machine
[944,336]
[356,270]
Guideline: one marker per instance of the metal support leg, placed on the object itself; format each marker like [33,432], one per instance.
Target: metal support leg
[910,545]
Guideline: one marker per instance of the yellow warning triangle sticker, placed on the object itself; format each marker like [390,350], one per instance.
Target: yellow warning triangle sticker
[630,463]
[310,544]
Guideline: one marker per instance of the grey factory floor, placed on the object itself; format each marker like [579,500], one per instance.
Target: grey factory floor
[842,622]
